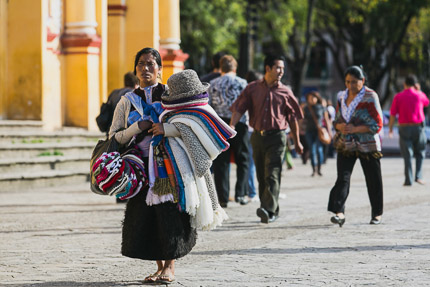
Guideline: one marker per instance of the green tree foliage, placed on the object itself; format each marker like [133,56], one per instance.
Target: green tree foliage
[210,26]
[370,33]
[286,29]
[385,36]
[415,52]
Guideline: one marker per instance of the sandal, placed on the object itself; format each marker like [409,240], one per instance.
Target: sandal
[151,278]
[165,279]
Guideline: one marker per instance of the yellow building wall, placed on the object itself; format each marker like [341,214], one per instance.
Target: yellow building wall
[3,57]
[142,28]
[24,67]
[41,79]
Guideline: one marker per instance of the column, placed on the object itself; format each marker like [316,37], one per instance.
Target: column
[142,27]
[170,38]
[3,57]
[81,48]
[102,31]
[116,44]
[52,60]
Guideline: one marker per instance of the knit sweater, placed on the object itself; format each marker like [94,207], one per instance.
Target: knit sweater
[368,113]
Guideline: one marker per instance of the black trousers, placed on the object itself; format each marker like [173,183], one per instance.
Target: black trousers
[268,154]
[372,172]
[239,146]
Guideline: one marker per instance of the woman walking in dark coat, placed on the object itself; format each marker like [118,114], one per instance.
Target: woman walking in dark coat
[158,232]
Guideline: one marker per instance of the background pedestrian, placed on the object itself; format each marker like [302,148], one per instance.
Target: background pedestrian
[272,107]
[408,106]
[358,123]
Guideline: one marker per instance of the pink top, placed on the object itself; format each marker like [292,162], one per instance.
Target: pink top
[409,105]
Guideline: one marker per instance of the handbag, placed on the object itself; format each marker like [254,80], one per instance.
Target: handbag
[323,134]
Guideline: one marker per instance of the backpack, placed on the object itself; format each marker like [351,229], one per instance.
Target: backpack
[104,119]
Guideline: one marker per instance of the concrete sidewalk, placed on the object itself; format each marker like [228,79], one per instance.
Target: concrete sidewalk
[71,237]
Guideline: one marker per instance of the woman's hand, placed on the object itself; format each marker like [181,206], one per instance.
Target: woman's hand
[349,129]
[144,125]
[157,129]
[341,128]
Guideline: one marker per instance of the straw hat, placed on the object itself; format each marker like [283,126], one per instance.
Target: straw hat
[183,85]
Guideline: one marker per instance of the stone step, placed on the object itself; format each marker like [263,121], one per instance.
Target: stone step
[44,163]
[9,125]
[30,137]
[20,150]
[11,182]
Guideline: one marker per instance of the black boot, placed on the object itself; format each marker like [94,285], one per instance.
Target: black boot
[314,171]
[319,170]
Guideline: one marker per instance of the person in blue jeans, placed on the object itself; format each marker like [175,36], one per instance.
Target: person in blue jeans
[252,76]
[409,105]
[315,115]
[252,193]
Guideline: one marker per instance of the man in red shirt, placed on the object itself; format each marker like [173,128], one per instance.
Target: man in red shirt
[409,105]
[272,106]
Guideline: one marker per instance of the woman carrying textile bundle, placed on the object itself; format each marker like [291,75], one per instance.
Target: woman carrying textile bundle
[160,232]
[358,122]
[194,135]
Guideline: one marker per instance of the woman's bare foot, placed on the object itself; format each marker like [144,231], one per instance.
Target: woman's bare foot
[167,275]
[151,278]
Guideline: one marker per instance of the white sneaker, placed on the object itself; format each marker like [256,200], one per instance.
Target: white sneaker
[254,199]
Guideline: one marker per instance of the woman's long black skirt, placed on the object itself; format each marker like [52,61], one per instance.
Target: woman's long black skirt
[158,232]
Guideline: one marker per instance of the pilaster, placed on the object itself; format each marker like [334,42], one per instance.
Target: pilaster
[81,48]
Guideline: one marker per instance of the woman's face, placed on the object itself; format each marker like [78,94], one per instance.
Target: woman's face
[147,70]
[312,100]
[353,84]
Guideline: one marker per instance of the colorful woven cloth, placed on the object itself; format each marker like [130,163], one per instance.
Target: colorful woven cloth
[120,175]
[365,112]
[203,136]
[196,100]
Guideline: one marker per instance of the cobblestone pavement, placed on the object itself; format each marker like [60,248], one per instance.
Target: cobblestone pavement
[71,237]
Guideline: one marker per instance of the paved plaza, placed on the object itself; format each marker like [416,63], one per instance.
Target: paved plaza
[71,237]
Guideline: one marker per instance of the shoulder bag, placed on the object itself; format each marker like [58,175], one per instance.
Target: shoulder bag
[323,134]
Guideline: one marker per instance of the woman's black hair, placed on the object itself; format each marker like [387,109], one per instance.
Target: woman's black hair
[151,51]
[316,95]
[355,71]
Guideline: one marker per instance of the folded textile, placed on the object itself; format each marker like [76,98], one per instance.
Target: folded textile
[198,154]
[196,100]
[187,174]
[120,175]
[207,127]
